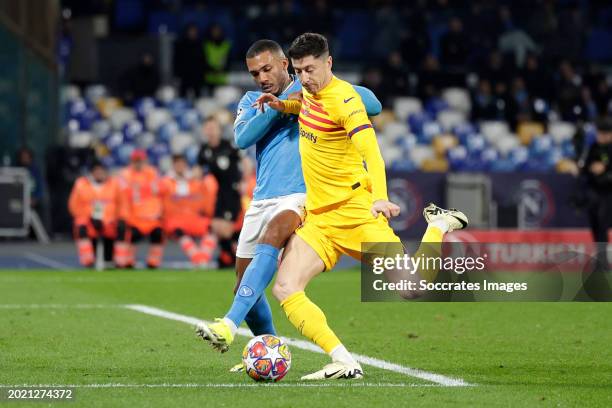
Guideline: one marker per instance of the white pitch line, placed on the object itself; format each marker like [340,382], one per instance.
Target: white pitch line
[304,345]
[223,385]
[58,306]
[43,260]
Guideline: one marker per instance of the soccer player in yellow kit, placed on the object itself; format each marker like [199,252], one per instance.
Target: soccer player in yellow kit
[343,199]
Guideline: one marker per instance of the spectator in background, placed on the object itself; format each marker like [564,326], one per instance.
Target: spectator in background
[140,212]
[189,62]
[598,172]
[188,207]
[93,206]
[603,97]
[431,79]
[394,77]
[536,78]
[216,57]
[483,102]
[221,159]
[372,79]
[454,47]
[518,43]
[141,80]
[568,90]
[519,108]
[495,70]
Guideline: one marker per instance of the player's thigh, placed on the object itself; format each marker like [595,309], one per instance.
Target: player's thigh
[299,265]
[285,217]
[252,227]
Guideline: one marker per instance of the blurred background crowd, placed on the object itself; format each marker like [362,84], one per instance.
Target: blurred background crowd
[467,86]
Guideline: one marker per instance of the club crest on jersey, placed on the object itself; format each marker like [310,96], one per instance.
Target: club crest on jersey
[308,135]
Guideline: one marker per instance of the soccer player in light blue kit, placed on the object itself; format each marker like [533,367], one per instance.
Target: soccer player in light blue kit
[278,202]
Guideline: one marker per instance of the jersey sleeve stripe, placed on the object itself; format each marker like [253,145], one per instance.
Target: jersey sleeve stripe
[316,127]
[318,118]
[359,129]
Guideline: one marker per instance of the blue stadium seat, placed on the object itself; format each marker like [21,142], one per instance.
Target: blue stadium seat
[143,106]
[131,130]
[166,131]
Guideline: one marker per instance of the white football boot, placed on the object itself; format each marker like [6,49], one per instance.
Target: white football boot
[456,219]
[336,371]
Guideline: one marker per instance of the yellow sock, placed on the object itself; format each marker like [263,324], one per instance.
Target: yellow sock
[431,246]
[310,321]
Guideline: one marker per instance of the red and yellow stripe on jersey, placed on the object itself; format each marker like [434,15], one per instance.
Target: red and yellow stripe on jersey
[336,137]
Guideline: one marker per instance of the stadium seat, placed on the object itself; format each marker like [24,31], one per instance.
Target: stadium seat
[528,130]
[93,93]
[226,95]
[143,106]
[450,119]
[189,120]
[394,130]
[180,142]
[80,139]
[166,94]
[420,153]
[131,130]
[113,140]
[145,140]
[101,128]
[458,99]
[70,93]
[442,143]
[505,144]
[157,117]
[207,106]
[107,106]
[167,131]
[457,157]
[436,164]
[561,131]
[121,116]
[493,130]
[405,106]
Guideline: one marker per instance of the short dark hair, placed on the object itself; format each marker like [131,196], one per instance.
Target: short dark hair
[308,44]
[260,46]
[178,157]
[97,163]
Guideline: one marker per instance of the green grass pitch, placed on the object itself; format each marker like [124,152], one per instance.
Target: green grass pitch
[515,354]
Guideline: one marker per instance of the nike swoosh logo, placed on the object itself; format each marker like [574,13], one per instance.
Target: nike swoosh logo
[346,100]
[332,374]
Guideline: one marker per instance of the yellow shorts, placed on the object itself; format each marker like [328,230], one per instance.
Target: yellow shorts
[344,227]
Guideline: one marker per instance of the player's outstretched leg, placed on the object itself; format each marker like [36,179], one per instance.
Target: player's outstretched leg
[299,265]
[439,222]
[250,300]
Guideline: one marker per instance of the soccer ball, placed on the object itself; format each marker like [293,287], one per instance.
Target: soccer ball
[266,358]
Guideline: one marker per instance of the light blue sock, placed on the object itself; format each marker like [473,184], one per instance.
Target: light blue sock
[254,282]
[259,318]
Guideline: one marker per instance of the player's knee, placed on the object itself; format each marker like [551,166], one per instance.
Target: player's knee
[283,289]
[121,230]
[81,231]
[156,236]
[274,236]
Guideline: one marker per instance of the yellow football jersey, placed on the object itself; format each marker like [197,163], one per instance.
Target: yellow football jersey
[333,167]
